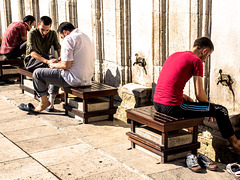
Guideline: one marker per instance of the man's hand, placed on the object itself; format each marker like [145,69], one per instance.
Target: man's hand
[52,61]
[52,65]
[187,98]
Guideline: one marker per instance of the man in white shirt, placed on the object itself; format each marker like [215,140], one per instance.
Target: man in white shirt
[74,68]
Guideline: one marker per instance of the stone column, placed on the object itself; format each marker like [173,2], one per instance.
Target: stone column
[32,8]
[21,9]
[53,13]
[71,12]
[160,28]
[123,39]
[7,12]
[207,32]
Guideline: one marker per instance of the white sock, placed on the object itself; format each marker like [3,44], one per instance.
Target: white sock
[52,103]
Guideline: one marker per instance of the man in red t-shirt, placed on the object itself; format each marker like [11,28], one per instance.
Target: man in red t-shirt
[14,38]
[169,98]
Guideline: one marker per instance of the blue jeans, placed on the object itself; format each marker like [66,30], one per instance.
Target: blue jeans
[46,80]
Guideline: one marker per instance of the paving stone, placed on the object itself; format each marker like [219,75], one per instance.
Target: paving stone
[122,174]
[91,163]
[187,174]
[46,143]
[149,164]
[10,151]
[44,176]
[20,123]
[31,133]
[62,155]
[20,169]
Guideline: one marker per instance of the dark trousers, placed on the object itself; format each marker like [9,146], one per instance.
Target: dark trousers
[17,51]
[195,109]
[31,63]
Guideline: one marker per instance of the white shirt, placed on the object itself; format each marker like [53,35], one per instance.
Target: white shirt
[78,48]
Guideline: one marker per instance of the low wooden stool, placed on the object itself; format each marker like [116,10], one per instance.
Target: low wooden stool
[89,92]
[150,117]
[9,64]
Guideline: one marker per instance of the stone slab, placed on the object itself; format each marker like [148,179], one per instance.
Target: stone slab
[62,154]
[31,133]
[43,144]
[43,176]
[20,169]
[90,163]
[176,138]
[115,174]
[20,123]
[10,151]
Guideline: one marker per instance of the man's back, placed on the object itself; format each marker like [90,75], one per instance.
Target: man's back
[13,36]
[82,57]
[176,71]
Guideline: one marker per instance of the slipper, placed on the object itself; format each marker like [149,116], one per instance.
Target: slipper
[28,107]
[233,168]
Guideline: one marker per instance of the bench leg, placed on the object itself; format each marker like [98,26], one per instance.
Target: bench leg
[133,129]
[66,102]
[85,110]
[195,138]
[165,144]
[1,71]
[22,82]
[111,107]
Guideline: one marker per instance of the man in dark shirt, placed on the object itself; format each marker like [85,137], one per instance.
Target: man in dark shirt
[13,44]
[39,43]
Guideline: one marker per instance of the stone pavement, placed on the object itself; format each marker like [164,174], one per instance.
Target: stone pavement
[53,146]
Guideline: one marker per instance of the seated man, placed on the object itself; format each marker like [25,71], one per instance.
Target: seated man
[13,43]
[169,98]
[75,68]
[39,43]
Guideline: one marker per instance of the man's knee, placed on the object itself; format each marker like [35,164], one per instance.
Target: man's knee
[221,110]
[36,73]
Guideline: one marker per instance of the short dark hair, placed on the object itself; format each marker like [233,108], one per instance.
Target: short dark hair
[29,18]
[203,42]
[46,20]
[67,26]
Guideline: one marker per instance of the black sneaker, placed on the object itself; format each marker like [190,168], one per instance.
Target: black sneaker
[206,162]
[192,163]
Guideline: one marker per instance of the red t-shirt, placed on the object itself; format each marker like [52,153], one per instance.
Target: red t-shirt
[12,37]
[176,71]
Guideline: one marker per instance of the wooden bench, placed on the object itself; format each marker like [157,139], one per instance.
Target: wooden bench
[150,117]
[87,93]
[23,72]
[9,64]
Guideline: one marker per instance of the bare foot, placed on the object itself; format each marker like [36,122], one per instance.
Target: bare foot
[42,106]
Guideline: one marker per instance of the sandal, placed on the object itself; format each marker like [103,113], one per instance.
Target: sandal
[234,169]
[206,162]
[28,107]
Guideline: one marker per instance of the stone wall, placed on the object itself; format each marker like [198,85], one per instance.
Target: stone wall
[152,29]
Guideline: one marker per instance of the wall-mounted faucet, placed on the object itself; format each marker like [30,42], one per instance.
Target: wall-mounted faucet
[141,62]
[226,80]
